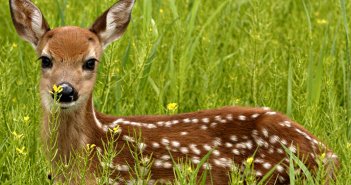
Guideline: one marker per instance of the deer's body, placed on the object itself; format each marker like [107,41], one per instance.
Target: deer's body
[231,134]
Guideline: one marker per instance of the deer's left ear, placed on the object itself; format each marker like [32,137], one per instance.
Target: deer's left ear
[29,22]
[113,22]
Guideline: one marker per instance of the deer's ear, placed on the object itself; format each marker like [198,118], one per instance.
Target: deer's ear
[29,22]
[113,22]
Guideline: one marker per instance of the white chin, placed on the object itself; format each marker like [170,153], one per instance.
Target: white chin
[67,105]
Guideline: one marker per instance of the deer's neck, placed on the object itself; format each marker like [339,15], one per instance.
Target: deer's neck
[71,129]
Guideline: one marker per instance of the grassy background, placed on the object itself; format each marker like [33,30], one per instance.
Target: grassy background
[291,55]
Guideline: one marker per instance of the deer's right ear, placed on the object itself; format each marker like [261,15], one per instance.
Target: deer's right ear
[29,22]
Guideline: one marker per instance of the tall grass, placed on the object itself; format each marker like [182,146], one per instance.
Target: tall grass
[292,55]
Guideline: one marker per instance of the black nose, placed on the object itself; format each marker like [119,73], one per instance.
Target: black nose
[68,93]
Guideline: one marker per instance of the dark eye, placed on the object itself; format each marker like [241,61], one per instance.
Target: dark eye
[46,62]
[89,64]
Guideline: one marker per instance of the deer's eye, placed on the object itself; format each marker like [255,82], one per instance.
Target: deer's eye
[46,62]
[89,64]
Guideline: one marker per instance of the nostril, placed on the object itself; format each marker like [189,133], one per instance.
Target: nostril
[67,89]
[68,93]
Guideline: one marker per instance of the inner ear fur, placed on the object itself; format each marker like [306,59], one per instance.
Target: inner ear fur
[28,20]
[113,22]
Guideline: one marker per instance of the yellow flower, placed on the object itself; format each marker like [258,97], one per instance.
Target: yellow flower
[21,150]
[116,129]
[189,169]
[161,10]
[322,156]
[14,45]
[26,119]
[90,146]
[322,21]
[249,160]
[56,89]
[172,106]
[17,136]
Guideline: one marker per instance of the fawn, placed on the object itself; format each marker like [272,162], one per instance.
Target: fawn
[69,59]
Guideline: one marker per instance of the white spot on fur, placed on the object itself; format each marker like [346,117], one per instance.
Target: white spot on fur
[158,163]
[281,179]
[183,133]
[175,144]
[194,149]
[266,108]
[116,122]
[271,151]
[135,124]
[160,123]
[216,152]
[203,127]
[217,141]
[223,121]
[213,124]
[165,141]
[195,160]
[292,148]
[218,118]
[186,120]
[207,147]
[126,122]
[123,167]
[236,151]
[195,120]
[271,113]
[205,120]
[242,118]
[258,160]
[229,117]
[184,150]
[167,164]
[228,145]
[267,165]
[254,116]
[285,124]
[274,139]
[151,126]
[128,138]
[265,132]
[165,157]
[233,138]
[168,124]
[155,145]
[280,168]
[142,146]
[284,142]
[249,144]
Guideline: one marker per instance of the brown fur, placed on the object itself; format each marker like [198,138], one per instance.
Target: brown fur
[233,134]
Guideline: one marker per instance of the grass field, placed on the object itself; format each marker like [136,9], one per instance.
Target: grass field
[293,56]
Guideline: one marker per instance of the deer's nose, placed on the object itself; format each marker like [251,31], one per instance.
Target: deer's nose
[68,93]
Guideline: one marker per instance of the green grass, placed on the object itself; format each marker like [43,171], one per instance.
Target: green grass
[293,56]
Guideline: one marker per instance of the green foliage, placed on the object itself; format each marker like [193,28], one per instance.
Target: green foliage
[292,56]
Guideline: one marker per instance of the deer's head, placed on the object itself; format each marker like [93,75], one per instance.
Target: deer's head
[69,55]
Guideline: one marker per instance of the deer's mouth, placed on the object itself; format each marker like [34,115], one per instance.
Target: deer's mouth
[67,105]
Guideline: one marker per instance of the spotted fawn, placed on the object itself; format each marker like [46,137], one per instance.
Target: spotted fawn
[69,59]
